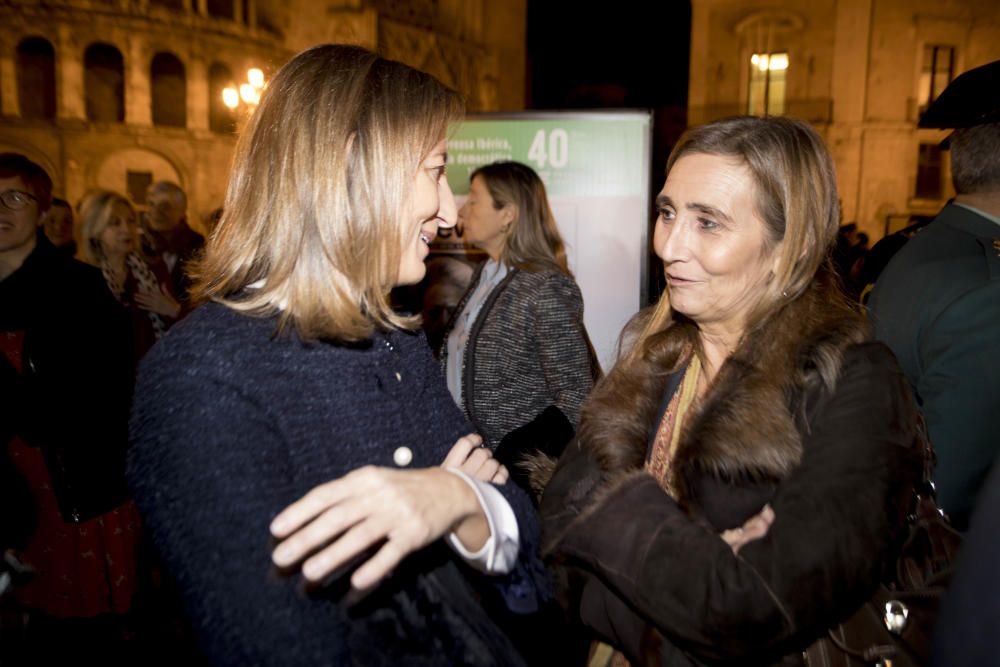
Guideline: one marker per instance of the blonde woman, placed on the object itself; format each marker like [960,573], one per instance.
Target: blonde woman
[516,354]
[296,371]
[109,241]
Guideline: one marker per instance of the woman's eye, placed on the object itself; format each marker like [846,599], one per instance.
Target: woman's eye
[666,214]
[706,223]
[438,172]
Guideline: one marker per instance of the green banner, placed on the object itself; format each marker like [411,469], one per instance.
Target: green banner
[593,156]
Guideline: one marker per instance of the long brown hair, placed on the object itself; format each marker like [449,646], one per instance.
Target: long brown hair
[532,242]
[796,197]
[322,174]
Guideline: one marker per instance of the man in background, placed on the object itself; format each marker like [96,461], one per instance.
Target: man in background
[937,303]
[57,223]
[165,234]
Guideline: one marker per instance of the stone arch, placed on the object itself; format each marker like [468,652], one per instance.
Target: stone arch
[777,21]
[168,88]
[221,9]
[104,83]
[37,155]
[125,169]
[36,78]
[172,5]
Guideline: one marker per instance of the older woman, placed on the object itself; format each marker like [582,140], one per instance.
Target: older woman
[516,354]
[742,475]
[298,372]
[109,241]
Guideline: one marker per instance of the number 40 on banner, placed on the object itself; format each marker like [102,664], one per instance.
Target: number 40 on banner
[555,151]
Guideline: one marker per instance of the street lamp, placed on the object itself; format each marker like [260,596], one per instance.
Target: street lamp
[248,93]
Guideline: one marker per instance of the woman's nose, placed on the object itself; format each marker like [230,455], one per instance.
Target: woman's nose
[447,213]
[674,242]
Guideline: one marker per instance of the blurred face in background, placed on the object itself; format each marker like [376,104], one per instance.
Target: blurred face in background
[485,226]
[58,225]
[166,210]
[118,237]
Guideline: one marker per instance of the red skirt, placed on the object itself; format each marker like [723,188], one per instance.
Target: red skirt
[81,569]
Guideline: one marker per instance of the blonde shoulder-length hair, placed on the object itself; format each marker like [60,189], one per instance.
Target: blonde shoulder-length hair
[312,224]
[532,241]
[95,212]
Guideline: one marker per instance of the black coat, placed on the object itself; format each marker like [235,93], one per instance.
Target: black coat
[649,573]
[72,396]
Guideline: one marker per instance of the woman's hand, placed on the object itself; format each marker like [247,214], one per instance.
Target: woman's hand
[755,528]
[470,456]
[158,301]
[403,510]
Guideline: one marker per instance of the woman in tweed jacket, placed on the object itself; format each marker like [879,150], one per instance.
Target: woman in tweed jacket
[516,354]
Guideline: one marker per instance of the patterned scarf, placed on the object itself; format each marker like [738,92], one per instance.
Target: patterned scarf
[146,279]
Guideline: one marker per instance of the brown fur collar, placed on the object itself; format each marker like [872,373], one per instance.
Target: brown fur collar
[749,424]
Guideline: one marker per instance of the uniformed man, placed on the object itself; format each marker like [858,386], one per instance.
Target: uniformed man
[937,304]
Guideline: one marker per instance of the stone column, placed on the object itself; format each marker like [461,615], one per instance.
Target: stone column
[70,83]
[202,7]
[504,33]
[849,90]
[8,83]
[251,14]
[238,11]
[138,98]
[197,94]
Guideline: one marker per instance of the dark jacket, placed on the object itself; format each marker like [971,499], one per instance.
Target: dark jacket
[937,307]
[528,350]
[175,249]
[74,388]
[232,423]
[649,573]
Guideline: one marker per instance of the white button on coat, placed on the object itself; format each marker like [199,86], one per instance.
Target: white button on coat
[402,456]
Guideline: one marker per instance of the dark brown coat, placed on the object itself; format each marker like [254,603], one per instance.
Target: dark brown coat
[649,573]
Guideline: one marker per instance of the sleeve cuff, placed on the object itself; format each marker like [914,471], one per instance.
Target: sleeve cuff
[499,553]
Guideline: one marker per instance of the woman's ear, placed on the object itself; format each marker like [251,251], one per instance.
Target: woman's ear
[509,216]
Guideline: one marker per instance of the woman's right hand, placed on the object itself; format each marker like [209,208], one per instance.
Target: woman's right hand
[755,528]
[393,512]
[158,301]
[470,456]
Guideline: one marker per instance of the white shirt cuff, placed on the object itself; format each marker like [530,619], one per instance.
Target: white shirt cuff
[499,553]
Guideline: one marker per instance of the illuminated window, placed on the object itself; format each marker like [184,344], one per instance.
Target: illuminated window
[767,84]
[937,73]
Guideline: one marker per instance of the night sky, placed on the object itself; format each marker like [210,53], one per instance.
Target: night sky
[634,57]
[633,54]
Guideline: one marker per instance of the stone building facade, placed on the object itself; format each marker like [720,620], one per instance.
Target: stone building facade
[119,93]
[861,71]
